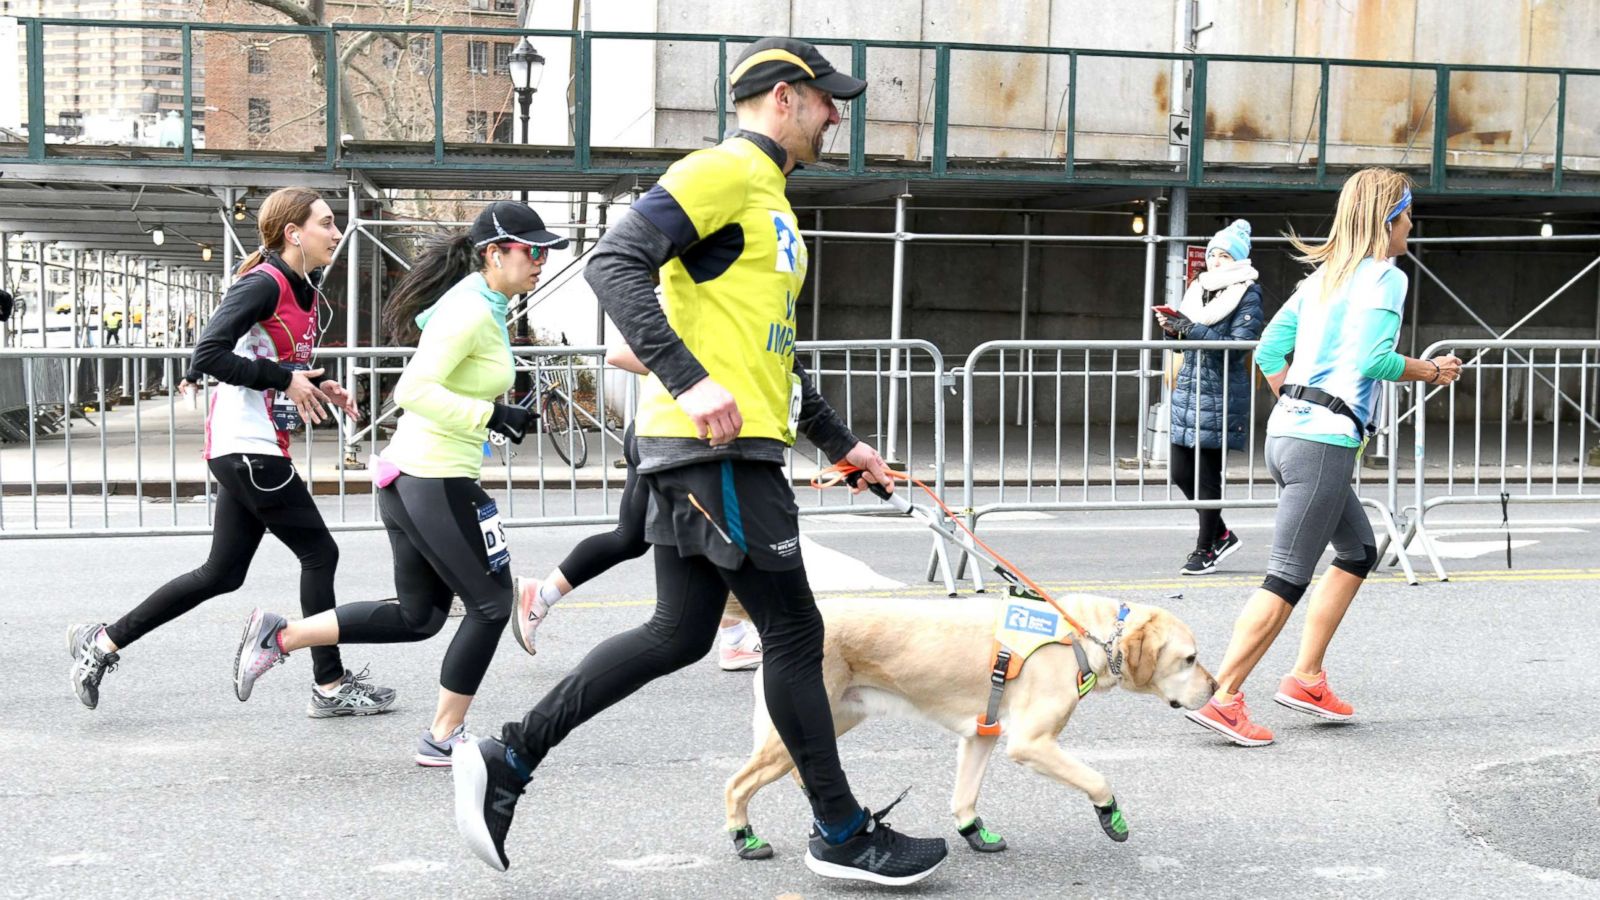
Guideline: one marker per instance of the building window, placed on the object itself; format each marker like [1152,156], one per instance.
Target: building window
[257,59]
[478,57]
[502,129]
[502,58]
[509,6]
[260,116]
[477,126]
[421,50]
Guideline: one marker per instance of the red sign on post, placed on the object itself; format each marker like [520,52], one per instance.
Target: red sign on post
[1194,263]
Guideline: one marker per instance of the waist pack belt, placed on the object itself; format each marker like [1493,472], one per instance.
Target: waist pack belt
[1328,401]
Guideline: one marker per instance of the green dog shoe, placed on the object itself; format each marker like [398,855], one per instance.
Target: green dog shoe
[980,838]
[748,846]
[1112,822]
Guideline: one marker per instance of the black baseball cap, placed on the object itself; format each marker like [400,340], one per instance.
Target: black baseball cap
[508,221]
[771,60]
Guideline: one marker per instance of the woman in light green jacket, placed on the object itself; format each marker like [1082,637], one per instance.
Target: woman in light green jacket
[444,529]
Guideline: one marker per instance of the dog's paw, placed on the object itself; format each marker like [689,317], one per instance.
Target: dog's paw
[980,838]
[748,846]
[1112,822]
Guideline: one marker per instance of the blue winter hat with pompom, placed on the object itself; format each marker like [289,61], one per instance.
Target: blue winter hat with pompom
[1234,239]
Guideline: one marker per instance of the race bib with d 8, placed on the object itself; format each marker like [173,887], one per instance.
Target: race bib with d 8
[285,415]
[494,537]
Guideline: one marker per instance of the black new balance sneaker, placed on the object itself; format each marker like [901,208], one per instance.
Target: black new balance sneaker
[487,790]
[877,853]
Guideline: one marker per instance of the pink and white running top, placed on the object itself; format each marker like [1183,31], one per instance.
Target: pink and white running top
[240,419]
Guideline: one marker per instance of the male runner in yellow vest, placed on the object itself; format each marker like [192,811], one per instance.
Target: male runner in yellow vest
[716,419]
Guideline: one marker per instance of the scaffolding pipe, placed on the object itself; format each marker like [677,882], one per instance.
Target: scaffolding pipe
[891,453]
[1022,330]
[1146,324]
[816,283]
[352,284]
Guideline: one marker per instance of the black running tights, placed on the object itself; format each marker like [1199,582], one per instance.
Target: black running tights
[255,494]
[691,595]
[439,530]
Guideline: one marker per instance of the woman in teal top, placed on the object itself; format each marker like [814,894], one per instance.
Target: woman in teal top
[443,528]
[1341,327]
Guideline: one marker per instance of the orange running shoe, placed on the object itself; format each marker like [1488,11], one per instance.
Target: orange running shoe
[1313,698]
[1232,721]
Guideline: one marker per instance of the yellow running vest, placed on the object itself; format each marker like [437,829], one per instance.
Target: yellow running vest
[731,296]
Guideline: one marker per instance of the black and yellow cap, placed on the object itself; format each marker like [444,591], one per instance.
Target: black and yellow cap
[771,60]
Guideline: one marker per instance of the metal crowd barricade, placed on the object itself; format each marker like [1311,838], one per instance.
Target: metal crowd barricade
[1533,429]
[131,463]
[1069,394]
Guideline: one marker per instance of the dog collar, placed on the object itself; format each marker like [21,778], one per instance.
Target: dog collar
[1113,655]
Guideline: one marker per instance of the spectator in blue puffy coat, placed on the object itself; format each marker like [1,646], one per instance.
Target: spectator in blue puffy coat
[1222,304]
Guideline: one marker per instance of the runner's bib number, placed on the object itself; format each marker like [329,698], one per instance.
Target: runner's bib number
[285,415]
[494,537]
[796,396]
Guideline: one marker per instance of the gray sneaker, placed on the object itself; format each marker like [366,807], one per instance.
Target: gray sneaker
[258,651]
[89,664]
[436,754]
[355,697]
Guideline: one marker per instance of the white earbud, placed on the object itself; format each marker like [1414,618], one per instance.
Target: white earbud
[296,240]
[496,259]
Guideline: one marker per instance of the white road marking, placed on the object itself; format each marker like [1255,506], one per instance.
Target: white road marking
[661,862]
[1474,549]
[409,866]
[831,570]
[77,859]
[1350,873]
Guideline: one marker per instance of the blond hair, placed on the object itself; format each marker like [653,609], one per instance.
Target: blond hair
[1360,228]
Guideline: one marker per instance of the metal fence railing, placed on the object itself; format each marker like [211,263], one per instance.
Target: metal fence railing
[82,455]
[1083,453]
[1520,426]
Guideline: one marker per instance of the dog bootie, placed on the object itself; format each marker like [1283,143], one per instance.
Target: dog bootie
[980,838]
[748,846]
[1112,822]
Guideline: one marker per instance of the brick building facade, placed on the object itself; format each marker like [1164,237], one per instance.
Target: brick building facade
[265,91]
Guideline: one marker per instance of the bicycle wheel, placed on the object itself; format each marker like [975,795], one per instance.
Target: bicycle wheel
[566,435]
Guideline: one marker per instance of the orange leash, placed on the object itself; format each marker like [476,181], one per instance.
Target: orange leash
[844,472]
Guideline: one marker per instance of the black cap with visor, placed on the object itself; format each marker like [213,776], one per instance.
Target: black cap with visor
[771,60]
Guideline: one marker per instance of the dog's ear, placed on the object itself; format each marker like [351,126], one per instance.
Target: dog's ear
[1140,648]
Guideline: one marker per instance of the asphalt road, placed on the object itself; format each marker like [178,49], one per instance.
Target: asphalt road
[1471,770]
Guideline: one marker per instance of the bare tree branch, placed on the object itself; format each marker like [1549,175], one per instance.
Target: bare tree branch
[299,14]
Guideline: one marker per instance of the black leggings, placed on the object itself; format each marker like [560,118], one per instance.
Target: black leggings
[597,553]
[691,594]
[440,532]
[255,494]
[1212,528]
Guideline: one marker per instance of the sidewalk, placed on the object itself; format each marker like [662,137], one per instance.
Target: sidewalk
[159,442]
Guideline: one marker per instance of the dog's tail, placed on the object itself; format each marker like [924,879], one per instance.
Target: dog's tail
[735,610]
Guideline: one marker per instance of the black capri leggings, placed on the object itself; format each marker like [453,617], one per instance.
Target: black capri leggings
[447,542]
[255,494]
[598,553]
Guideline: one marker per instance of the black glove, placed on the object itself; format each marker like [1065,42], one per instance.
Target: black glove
[512,421]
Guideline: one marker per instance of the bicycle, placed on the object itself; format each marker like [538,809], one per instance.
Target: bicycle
[558,413]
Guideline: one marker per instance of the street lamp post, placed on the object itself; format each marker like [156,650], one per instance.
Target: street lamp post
[526,68]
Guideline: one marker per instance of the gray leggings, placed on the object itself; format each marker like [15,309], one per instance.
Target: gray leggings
[1317,505]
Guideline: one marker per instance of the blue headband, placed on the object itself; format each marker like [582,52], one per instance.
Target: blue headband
[1402,206]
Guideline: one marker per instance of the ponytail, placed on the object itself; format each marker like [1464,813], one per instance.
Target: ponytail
[444,260]
[251,261]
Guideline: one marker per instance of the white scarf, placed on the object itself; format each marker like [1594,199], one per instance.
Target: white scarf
[1230,281]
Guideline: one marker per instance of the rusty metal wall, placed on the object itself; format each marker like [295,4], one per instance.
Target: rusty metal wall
[1012,104]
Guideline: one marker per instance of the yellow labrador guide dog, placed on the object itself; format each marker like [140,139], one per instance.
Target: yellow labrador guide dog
[982,668]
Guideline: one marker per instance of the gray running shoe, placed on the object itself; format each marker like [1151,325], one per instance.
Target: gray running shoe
[258,651]
[89,664]
[355,697]
[436,754]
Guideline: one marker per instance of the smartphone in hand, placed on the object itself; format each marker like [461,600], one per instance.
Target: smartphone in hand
[1168,311]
